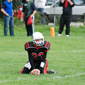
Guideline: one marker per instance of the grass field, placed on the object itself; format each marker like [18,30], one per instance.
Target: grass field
[66,56]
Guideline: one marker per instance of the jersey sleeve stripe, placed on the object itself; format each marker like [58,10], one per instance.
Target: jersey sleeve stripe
[28,44]
[46,44]
[25,45]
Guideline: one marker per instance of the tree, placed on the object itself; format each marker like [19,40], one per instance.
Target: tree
[17,3]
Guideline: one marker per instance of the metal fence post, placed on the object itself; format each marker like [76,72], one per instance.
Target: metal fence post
[84,18]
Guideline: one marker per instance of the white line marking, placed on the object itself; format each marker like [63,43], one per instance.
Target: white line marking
[14,52]
[74,51]
[58,77]
[69,76]
[70,51]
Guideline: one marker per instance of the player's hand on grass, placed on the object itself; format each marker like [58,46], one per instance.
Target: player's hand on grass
[35,72]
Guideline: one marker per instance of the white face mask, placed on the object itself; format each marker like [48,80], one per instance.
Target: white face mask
[39,42]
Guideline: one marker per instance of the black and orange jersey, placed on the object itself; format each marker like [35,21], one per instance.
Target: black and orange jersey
[37,54]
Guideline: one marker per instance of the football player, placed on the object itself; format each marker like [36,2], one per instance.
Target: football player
[37,52]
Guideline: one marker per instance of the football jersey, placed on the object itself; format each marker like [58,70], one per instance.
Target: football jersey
[37,54]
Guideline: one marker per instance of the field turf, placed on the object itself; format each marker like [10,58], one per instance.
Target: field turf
[66,56]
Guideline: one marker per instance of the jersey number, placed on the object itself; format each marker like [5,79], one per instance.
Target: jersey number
[35,55]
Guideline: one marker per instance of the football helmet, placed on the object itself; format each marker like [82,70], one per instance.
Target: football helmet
[38,39]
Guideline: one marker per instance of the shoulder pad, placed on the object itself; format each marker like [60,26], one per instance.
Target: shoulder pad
[28,45]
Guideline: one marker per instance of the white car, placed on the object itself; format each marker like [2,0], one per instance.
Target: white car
[78,10]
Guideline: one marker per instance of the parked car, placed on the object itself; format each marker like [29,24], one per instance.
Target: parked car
[78,10]
[50,2]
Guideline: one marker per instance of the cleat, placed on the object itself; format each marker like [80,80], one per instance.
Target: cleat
[51,72]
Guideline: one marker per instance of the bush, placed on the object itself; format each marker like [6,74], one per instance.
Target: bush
[38,19]
[17,22]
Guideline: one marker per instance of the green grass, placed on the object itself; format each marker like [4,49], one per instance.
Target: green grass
[66,56]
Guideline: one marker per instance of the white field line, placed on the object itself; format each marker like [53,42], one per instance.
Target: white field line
[70,51]
[14,52]
[15,37]
[48,36]
[74,51]
[55,77]
[69,76]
